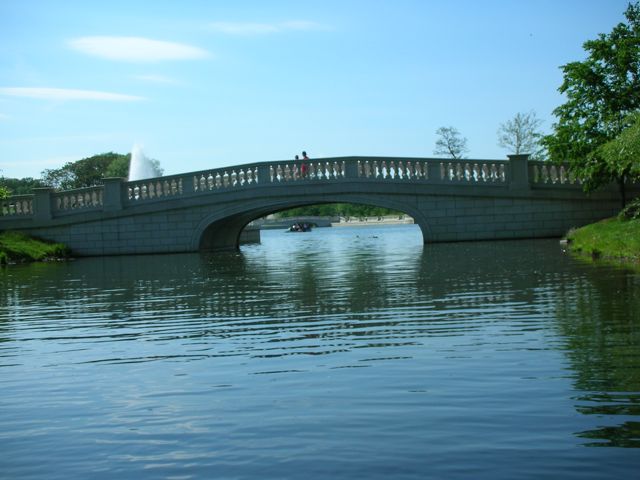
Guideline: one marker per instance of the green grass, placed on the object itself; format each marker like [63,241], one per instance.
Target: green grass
[16,247]
[611,239]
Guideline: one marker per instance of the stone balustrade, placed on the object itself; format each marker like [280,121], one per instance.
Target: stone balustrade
[551,174]
[153,189]
[307,171]
[210,180]
[16,206]
[80,199]
[516,173]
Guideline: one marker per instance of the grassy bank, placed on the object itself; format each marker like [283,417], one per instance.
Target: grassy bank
[16,247]
[610,239]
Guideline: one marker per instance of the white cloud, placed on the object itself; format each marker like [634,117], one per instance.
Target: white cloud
[249,28]
[66,94]
[136,49]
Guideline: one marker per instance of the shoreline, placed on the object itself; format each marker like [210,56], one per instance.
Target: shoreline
[374,222]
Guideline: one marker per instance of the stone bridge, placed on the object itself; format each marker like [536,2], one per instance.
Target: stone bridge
[450,200]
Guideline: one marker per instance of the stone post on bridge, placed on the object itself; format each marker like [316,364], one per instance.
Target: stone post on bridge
[519,172]
[264,176]
[112,197]
[42,203]
[351,169]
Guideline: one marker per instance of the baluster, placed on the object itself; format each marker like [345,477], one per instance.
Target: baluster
[152,190]
[359,169]
[312,171]
[563,175]
[210,181]
[279,173]
[327,171]
[553,173]
[417,170]
[271,173]
[225,179]
[383,169]
[536,174]
[343,169]
[249,176]
[502,173]
[218,182]
[376,169]
[234,178]
[241,179]
[367,169]
[467,172]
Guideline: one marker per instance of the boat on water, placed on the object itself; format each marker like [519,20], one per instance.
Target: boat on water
[300,227]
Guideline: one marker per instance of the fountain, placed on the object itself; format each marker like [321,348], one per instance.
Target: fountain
[141,166]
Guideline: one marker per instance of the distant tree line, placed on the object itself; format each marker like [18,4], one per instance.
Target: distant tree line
[339,210]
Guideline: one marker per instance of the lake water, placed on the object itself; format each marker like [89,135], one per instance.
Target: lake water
[340,353]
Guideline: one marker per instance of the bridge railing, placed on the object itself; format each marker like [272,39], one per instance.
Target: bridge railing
[82,199]
[17,206]
[546,173]
[515,173]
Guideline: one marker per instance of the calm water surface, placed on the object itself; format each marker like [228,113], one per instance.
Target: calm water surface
[340,353]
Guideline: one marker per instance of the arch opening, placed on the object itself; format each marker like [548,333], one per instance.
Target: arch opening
[224,231]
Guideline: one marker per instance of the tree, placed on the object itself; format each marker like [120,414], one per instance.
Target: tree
[4,192]
[86,172]
[521,135]
[601,92]
[20,186]
[622,154]
[450,143]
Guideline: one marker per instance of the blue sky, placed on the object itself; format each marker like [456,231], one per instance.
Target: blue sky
[204,84]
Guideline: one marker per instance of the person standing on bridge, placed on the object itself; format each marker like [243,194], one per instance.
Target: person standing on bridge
[303,167]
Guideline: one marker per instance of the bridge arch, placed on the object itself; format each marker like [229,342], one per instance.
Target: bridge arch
[221,230]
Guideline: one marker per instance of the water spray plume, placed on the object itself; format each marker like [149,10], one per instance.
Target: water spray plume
[140,166]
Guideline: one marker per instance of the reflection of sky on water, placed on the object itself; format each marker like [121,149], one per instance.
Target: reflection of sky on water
[481,316]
